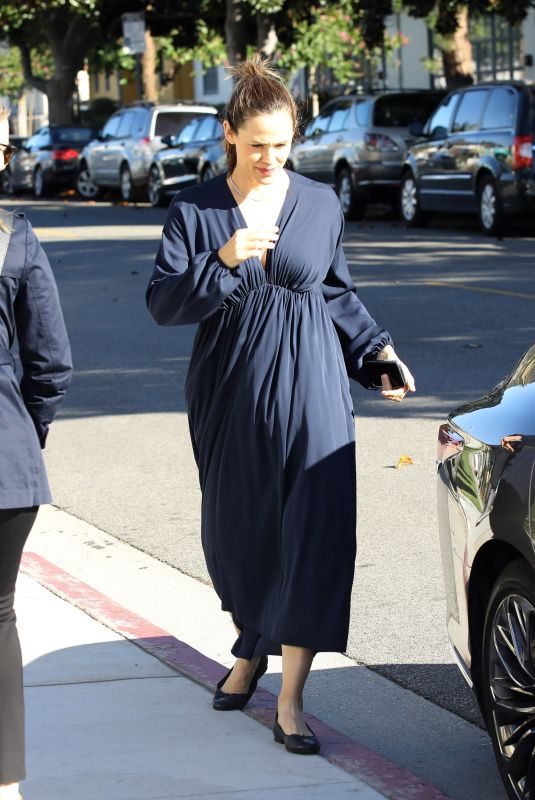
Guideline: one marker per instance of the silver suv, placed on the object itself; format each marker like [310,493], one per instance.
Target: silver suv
[357,143]
[123,151]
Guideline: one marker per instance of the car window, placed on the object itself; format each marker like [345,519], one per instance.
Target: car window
[338,121]
[31,142]
[72,135]
[399,110]
[43,139]
[470,109]
[364,108]
[218,133]
[138,124]
[110,128]
[205,130]
[321,122]
[188,132]
[125,125]
[169,123]
[501,109]
[443,116]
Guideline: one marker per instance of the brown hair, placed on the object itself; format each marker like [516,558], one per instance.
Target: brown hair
[258,90]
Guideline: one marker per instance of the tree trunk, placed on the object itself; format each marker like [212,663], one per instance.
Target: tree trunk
[266,35]
[60,93]
[148,65]
[235,32]
[457,61]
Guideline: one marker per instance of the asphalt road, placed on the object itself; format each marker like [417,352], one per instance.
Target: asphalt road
[460,308]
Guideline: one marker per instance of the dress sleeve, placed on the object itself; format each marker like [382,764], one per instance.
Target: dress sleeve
[187,286]
[44,349]
[359,334]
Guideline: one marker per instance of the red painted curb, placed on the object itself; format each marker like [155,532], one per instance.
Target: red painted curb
[390,780]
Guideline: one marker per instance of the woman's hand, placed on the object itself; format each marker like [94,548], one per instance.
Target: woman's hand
[247,243]
[396,395]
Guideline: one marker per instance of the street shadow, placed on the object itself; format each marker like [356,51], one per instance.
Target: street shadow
[78,697]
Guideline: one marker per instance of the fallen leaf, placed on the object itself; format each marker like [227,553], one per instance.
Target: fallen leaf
[404,460]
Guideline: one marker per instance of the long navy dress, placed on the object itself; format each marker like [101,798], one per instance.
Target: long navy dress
[270,409]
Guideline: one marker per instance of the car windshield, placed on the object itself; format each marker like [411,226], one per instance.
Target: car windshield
[70,135]
[399,110]
[169,123]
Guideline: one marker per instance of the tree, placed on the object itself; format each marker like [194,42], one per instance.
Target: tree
[449,21]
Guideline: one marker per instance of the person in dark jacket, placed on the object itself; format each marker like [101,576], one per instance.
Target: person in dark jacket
[30,312]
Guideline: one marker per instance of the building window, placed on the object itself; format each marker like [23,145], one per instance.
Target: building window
[210,81]
[497,48]
[96,78]
[107,82]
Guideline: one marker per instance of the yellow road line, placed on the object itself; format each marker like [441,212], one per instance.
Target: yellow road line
[59,233]
[483,289]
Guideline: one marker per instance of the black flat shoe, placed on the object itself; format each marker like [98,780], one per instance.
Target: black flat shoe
[294,742]
[225,701]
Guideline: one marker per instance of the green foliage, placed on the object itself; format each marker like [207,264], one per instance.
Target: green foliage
[442,14]
[11,78]
[209,48]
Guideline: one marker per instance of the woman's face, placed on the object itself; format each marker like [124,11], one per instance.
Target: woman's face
[4,139]
[262,146]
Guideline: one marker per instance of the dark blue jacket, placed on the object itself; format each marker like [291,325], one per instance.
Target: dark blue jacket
[30,313]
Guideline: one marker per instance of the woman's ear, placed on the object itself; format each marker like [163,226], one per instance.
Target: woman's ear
[229,133]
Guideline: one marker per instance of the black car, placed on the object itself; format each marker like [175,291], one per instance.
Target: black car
[48,160]
[486,505]
[358,142]
[476,156]
[195,154]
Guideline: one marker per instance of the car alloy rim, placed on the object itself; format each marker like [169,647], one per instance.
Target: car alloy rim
[86,187]
[38,183]
[512,690]
[154,186]
[126,184]
[344,193]
[408,199]
[488,205]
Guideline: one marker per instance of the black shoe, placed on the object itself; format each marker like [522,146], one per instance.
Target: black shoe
[294,742]
[223,701]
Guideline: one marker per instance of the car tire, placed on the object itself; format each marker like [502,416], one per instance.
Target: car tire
[411,212]
[7,183]
[353,207]
[508,677]
[129,192]
[39,185]
[156,197]
[489,206]
[84,184]
[207,173]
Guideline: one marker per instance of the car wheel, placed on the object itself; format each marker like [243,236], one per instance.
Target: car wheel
[352,207]
[84,184]
[509,677]
[128,193]
[39,185]
[156,198]
[207,174]
[7,183]
[491,216]
[409,204]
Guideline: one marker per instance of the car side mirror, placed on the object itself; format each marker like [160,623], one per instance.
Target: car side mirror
[168,140]
[416,128]
[439,132]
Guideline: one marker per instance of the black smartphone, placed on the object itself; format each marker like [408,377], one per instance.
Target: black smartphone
[375,368]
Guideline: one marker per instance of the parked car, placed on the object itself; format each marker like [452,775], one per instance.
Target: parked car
[486,505]
[476,156]
[193,155]
[357,144]
[121,155]
[46,161]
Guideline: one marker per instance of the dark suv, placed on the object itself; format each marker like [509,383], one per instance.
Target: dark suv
[357,143]
[477,156]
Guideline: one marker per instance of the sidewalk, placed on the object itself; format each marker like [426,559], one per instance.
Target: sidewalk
[114,720]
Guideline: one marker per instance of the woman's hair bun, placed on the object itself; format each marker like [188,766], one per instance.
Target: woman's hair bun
[255,67]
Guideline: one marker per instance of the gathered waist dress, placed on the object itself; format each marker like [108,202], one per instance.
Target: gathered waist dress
[270,409]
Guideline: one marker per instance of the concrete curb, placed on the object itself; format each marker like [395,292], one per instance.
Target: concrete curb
[387,778]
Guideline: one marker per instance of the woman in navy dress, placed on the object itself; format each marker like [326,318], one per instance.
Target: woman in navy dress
[31,313]
[255,257]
